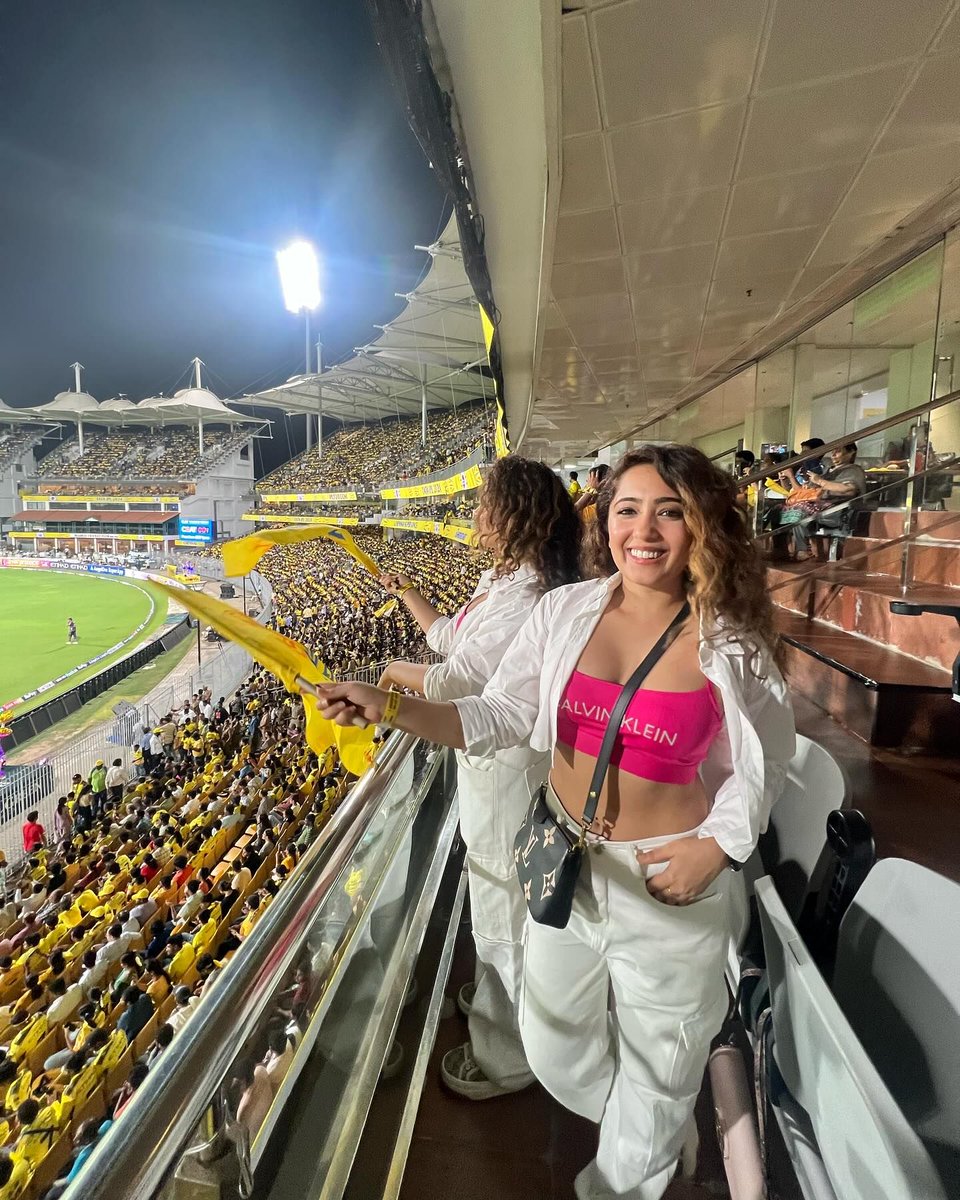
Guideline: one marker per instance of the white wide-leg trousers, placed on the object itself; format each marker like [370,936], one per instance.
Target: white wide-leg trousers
[617,1013]
[494,799]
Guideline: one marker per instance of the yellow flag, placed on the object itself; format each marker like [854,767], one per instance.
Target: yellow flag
[292,665]
[335,534]
[241,555]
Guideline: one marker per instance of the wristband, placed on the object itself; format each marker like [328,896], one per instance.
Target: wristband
[408,587]
[390,709]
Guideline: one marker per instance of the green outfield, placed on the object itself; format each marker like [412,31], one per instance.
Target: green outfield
[34,606]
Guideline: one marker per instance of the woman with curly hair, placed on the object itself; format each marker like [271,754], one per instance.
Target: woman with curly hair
[619,1007]
[526,521]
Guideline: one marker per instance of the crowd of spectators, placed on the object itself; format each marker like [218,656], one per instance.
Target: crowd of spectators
[445,508]
[14,443]
[168,453]
[131,904]
[315,508]
[326,600]
[360,457]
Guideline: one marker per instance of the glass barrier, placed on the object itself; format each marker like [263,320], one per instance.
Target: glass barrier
[289,1042]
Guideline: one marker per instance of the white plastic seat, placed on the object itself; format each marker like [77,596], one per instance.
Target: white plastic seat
[866,1143]
[794,843]
[897,980]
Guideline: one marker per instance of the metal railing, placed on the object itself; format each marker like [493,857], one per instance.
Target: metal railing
[135,1159]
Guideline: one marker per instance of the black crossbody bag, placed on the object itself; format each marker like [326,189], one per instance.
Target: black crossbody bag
[546,853]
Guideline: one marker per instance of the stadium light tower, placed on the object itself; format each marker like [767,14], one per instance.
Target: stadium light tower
[299,270]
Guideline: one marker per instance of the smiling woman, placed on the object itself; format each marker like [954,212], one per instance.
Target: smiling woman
[35,607]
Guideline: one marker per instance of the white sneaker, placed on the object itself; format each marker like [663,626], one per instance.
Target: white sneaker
[461,1073]
[465,998]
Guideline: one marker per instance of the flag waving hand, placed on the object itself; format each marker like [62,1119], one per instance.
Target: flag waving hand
[292,665]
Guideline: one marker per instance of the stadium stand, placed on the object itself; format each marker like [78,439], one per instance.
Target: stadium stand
[164,453]
[328,602]
[124,915]
[13,443]
[360,456]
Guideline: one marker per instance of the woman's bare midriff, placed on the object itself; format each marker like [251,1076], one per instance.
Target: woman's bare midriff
[630,808]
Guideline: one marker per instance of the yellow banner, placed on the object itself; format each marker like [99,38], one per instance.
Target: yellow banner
[301,519]
[283,497]
[463,481]
[501,441]
[415,524]
[50,498]
[459,533]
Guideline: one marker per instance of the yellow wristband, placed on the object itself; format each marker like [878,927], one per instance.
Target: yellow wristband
[390,709]
[408,587]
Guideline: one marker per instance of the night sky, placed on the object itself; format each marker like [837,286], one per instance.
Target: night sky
[154,156]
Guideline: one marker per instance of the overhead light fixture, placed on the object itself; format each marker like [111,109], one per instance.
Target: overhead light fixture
[299,270]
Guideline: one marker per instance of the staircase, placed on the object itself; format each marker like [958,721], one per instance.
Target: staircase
[886,678]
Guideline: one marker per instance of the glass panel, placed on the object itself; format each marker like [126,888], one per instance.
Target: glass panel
[870,359]
[944,440]
[295,1078]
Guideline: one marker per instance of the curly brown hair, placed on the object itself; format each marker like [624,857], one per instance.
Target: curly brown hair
[531,520]
[726,577]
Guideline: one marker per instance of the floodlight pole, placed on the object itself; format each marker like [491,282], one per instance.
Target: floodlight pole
[197,383]
[77,368]
[423,405]
[319,401]
[306,325]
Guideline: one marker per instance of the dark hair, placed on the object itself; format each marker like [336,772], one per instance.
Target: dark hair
[813,443]
[746,456]
[726,576]
[850,448]
[600,471]
[534,521]
[32,816]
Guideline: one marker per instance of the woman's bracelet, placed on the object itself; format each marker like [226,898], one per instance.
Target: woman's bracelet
[390,709]
[407,587]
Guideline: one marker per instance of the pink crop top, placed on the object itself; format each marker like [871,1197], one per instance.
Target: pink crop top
[664,736]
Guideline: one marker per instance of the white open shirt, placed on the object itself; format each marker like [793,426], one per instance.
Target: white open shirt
[474,647]
[745,767]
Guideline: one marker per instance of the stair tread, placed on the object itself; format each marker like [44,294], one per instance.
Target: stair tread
[883,585]
[873,664]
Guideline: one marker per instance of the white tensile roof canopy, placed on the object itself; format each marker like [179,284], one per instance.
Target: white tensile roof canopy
[434,350]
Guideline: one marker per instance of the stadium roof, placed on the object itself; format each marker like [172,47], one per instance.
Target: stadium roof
[186,407]
[671,189]
[436,343]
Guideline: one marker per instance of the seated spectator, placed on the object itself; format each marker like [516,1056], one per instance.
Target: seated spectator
[14,1176]
[139,1010]
[184,1008]
[138,1073]
[160,985]
[843,481]
[165,1035]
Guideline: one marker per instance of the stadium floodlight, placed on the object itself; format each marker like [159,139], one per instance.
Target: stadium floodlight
[299,276]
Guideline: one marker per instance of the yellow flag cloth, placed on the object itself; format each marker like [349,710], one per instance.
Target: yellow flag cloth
[288,660]
[386,609]
[242,555]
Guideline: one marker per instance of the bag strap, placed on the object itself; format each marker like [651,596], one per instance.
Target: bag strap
[616,716]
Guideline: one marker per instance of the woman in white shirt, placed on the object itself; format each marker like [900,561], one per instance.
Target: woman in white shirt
[526,520]
[700,758]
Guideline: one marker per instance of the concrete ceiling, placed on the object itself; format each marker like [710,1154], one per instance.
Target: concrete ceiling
[720,163]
